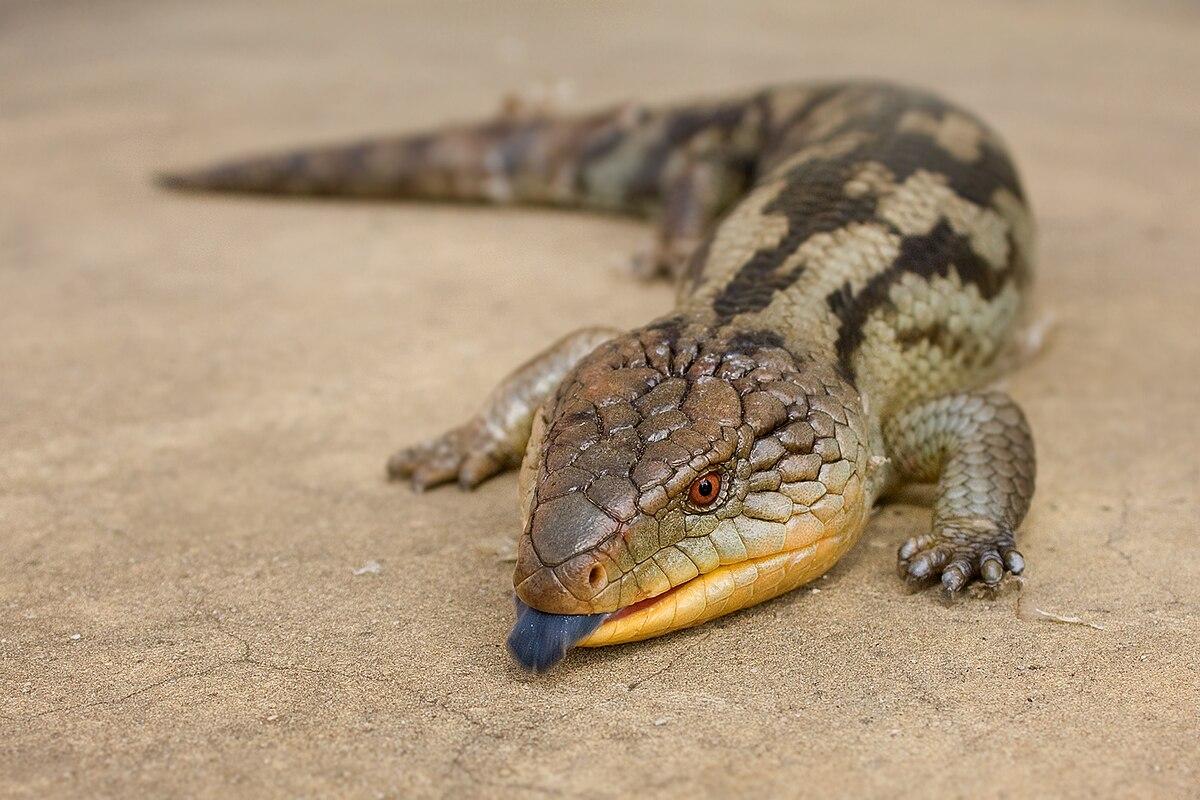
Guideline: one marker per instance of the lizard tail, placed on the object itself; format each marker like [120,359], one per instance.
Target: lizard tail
[620,160]
[532,160]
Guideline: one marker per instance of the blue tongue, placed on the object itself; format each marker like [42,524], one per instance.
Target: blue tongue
[539,640]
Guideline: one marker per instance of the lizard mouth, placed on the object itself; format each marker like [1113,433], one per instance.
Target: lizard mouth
[705,597]
[539,640]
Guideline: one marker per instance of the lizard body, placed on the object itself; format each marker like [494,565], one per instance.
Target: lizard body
[851,262]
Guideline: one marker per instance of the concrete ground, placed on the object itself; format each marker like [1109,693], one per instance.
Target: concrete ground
[197,396]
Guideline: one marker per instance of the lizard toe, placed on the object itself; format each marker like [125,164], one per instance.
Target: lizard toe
[957,573]
[404,462]
[434,473]
[925,563]
[477,468]
[1013,560]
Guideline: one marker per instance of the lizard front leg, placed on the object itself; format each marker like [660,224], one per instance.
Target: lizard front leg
[494,439]
[979,450]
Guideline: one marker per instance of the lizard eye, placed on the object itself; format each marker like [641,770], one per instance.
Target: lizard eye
[705,490]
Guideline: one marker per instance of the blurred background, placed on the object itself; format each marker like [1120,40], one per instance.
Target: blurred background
[197,396]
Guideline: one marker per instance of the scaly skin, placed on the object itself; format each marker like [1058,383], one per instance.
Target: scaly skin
[829,342]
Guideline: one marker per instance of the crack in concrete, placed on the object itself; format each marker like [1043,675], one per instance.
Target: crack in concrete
[480,730]
[672,662]
[245,657]
[170,679]
[1110,542]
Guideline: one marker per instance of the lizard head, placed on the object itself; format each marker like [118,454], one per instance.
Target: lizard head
[677,477]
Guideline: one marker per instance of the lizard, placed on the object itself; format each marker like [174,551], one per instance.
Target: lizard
[852,262]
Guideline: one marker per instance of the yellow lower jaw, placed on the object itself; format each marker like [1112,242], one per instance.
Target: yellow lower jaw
[722,591]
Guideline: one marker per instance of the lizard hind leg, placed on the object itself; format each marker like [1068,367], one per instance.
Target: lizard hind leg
[692,200]
[979,450]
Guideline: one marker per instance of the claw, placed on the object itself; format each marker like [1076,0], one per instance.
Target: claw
[991,568]
[955,576]
[947,595]
[919,570]
[1015,562]
[914,546]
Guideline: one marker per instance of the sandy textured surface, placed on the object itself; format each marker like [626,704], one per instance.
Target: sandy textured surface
[197,396]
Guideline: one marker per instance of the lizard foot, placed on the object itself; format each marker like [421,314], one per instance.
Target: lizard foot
[469,454]
[957,552]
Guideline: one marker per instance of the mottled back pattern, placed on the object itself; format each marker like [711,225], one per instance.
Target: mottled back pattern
[886,233]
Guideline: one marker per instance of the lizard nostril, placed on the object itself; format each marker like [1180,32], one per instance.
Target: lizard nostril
[596,577]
